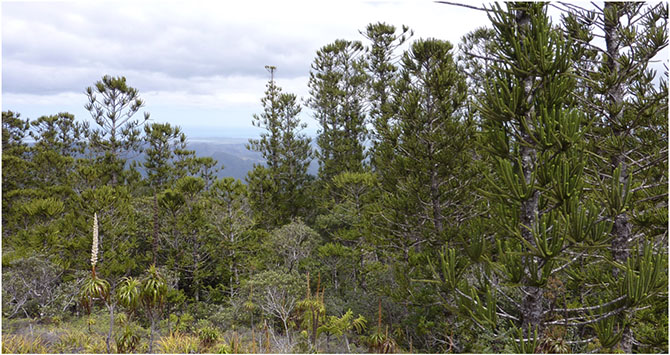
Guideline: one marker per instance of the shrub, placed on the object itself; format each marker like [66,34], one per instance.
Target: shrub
[96,345]
[29,285]
[128,338]
[178,344]
[72,341]
[223,349]
[19,344]
[227,317]
[207,336]
[185,323]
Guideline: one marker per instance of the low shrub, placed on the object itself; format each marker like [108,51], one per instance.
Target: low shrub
[128,338]
[223,349]
[178,344]
[208,336]
[96,345]
[185,323]
[19,344]
[72,341]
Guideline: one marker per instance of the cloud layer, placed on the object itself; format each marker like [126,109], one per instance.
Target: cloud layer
[195,55]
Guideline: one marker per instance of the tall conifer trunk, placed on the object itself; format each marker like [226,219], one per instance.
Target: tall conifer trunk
[622,227]
[155,234]
[532,307]
[615,96]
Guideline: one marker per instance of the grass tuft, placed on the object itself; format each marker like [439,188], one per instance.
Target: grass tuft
[178,344]
[19,344]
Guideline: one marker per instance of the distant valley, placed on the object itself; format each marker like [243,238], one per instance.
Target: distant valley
[232,153]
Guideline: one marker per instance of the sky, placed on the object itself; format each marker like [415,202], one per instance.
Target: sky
[197,64]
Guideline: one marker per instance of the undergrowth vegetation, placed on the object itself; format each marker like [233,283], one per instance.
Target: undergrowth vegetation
[508,194]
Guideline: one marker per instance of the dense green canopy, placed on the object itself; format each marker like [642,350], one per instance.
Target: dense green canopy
[506,196]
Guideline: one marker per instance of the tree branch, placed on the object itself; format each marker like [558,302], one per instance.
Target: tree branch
[462,5]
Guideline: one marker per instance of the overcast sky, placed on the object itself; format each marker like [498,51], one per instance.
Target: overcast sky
[197,64]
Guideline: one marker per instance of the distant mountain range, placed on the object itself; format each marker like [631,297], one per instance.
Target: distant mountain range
[232,153]
[237,160]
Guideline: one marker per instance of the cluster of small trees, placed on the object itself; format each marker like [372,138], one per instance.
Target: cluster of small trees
[510,196]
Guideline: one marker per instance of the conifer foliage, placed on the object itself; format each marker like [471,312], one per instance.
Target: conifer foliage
[506,196]
[287,154]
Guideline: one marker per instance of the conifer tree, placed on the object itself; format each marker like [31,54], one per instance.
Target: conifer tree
[432,138]
[112,104]
[337,86]
[628,103]
[348,229]
[229,217]
[381,64]
[60,132]
[431,170]
[59,139]
[39,205]
[163,140]
[192,248]
[14,156]
[475,59]
[287,154]
[550,241]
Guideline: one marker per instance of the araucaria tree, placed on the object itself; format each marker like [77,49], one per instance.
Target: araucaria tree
[112,104]
[381,66]
[547,270]
[506,194]
[629,108]
[337,86]
[277,190]
[430,151]
[163,141]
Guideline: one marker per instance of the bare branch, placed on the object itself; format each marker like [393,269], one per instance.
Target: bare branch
[567,321]
[462,5]
[592,308]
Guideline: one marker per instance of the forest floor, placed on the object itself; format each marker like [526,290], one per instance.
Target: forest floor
[88,334]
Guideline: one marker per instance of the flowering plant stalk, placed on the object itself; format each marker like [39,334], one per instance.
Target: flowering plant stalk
[94,247]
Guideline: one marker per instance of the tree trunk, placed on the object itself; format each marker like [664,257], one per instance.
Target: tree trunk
[622,227]
[151,335]
[111,328]
[435,197]
[196,267]
[230,280]
[288,336]
[155,235]
[532,307]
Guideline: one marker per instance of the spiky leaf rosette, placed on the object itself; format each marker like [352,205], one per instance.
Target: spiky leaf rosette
[154,289]
[93,288]
[129,293]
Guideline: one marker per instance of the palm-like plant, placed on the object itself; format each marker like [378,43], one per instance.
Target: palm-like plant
[94,287]
[314,309]
[379,341]
[341,326]
[152,297]
[129,292]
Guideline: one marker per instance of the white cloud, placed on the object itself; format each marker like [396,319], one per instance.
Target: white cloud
[204,56]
